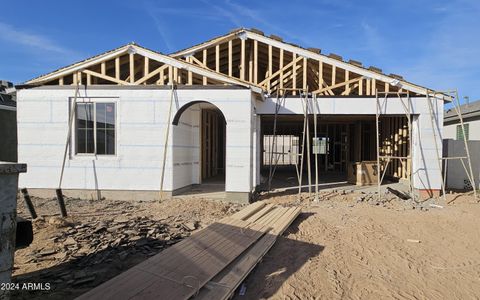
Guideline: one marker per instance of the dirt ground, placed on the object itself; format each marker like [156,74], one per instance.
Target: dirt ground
[338,248]
[341,249]
[101,239]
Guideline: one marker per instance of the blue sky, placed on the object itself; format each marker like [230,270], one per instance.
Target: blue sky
[432,43]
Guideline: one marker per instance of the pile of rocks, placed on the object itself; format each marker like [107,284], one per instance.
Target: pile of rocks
[373,199]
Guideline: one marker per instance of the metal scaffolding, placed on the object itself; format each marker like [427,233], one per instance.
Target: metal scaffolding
[274,155]
[405,100]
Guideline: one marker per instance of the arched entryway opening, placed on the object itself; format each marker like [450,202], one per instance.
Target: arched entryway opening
[199,148]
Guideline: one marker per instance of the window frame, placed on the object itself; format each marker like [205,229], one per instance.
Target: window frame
[465,134]
[73,136]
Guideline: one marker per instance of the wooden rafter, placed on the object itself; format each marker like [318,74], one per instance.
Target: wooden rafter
[329,88]
[243,57]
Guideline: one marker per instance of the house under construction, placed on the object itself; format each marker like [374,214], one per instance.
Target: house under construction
[242,110]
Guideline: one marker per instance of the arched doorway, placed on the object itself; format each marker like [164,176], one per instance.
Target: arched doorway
[199,141]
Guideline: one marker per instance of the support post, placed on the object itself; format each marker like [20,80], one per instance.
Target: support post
[28,203]
[315,106]
[379,181]
[61,202]
[165,147]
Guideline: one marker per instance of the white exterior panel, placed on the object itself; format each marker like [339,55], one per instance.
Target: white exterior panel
[140,134]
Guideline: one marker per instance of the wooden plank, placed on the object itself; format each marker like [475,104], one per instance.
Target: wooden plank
[227,281]
[329,88]
[190,74]
[294,75]
[204,60]
[131,59]
[281,69]
[248,211]
[250,64]
[258,215]
[255,61]
[230,50]
[304,76]
[117,68]
[106,77]
[198,259]
[280,72]
[151,74]
[242,60]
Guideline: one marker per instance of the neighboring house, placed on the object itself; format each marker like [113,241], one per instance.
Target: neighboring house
[471,119]
[224,101]
[454,145]
[8,122]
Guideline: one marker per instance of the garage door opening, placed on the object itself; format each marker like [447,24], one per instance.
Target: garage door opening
[346,147]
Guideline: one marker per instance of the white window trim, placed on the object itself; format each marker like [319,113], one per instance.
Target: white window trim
[73,137]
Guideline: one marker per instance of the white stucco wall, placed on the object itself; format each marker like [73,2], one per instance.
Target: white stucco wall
[425,159]
[450,131]
[141,123]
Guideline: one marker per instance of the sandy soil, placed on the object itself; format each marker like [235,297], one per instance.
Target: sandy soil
[336,249]
[341,249]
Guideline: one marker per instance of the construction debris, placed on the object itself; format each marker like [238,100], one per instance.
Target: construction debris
[120,237]
[103,238]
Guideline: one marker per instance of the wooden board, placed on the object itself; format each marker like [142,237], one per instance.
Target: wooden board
[181,270]
[248,211]
[226,282]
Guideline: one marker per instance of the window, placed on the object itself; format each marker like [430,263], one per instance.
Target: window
[95,128]
[460,133]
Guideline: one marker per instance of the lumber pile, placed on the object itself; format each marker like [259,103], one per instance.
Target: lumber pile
[210,264]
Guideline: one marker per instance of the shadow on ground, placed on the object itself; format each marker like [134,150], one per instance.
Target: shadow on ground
[284,259]
[72,278]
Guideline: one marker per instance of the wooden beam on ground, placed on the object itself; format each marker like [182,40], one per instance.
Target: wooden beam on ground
[179,271]
[223,285]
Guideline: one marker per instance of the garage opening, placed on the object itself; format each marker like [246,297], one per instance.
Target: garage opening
[346,147]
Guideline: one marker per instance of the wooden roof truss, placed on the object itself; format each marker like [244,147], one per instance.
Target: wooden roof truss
[273,64]
[134,65]
[243,57]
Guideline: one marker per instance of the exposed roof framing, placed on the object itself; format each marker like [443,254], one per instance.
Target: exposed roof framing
[135,65]
[242,57]
[273,64]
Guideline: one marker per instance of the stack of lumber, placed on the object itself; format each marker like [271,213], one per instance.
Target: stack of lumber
[209,264]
